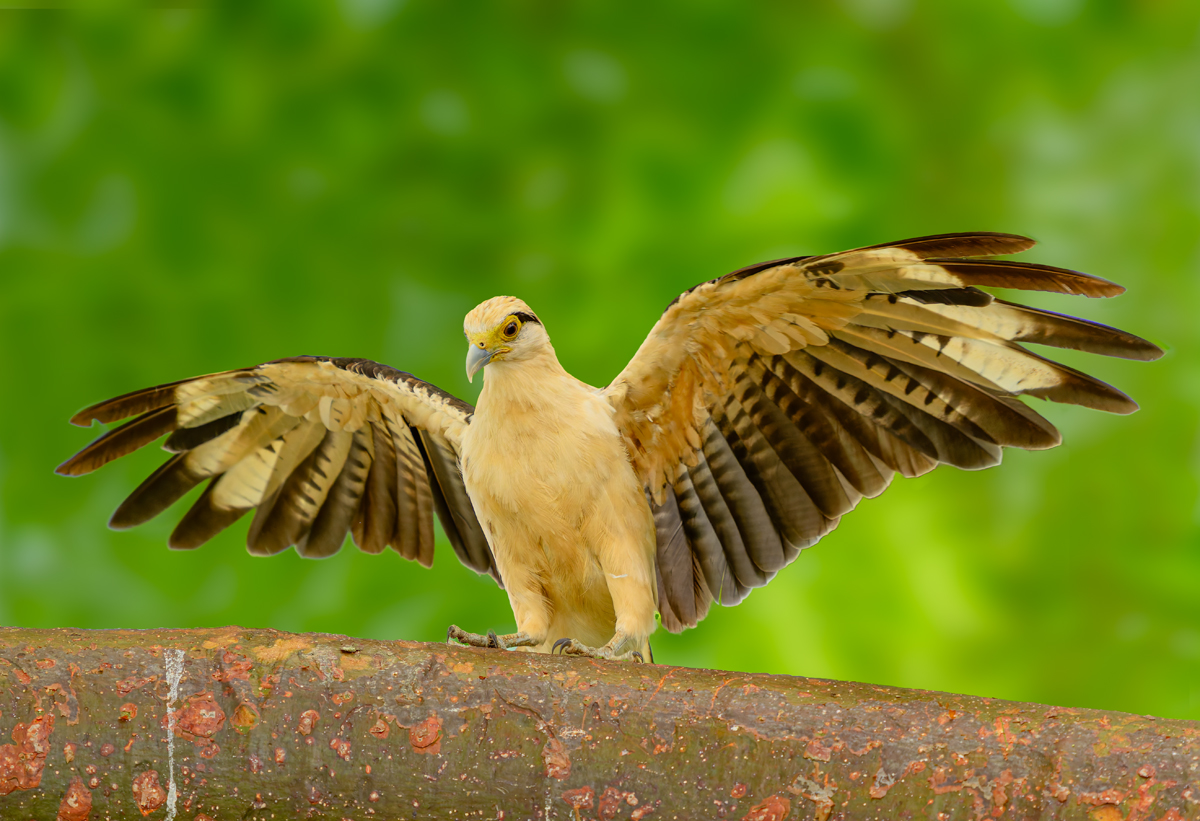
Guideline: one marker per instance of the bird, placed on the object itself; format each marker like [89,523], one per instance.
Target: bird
[762,407]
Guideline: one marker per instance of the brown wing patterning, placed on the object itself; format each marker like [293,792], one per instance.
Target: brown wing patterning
[319,447]
[766,403]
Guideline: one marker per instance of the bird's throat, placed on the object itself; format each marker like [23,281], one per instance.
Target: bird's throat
[523,384]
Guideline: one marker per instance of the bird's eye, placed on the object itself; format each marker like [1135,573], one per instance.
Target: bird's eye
[510,330]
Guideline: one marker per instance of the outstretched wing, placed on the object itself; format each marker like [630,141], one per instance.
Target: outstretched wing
[319,446]
[766,403]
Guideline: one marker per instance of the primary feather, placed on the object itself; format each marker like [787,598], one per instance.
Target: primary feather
[318,447]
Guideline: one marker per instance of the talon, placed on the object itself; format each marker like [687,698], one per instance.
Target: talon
[558,645]
[637,655]
[493,640]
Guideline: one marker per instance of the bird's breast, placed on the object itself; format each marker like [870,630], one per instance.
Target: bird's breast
[527,456]
[554,490]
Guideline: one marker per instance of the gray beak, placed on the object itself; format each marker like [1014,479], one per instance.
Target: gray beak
[476,358]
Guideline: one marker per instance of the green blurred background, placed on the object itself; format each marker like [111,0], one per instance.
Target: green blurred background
[185,191]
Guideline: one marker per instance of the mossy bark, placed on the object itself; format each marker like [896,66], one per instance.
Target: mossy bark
[232,723]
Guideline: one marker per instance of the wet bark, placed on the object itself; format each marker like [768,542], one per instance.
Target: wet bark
[232,723]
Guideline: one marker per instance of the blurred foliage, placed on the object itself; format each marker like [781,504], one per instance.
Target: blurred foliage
[185,191]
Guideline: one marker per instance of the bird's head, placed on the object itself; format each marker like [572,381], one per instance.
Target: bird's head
[503,328]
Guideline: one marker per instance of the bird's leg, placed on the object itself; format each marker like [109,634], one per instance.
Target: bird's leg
[503,642]
[621,646]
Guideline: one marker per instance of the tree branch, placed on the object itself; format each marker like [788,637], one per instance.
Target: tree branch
[232,723]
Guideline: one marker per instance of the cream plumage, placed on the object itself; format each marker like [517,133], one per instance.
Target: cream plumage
[762,407]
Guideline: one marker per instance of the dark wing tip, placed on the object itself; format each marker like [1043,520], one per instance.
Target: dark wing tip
[80,464]
[128,404]
[1104,287]
[120,441]
[119,521]
[84,418]
[964,244]
[1026,276]
[1119,402]
[68,469]
[1145,350]
[1111,400]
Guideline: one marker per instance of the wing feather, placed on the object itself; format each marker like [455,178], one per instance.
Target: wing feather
[278,521]
[160,490]
[970,244]
[329,528]
[758,536]
[888,438]
[453,506]
[766,403]
[1000,322]
[258,475]
[384,505]
[127,405]
[1004,368]
[845,454]
[123,440]
[890,271]
[183,439]
[813,470]
[855,392]
[203,520]
[681,582]
[318,447]
[412,492]
[706,550]
[788,507]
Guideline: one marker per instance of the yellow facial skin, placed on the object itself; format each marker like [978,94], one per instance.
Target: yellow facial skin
[491,345]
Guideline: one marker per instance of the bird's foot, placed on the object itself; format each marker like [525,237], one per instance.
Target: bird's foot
[574,647]
[490,639]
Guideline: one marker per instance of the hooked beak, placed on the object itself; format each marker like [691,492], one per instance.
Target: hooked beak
[477,357]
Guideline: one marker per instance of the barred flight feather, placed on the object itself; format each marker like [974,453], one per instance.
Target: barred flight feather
[203,521]
[277,523]
[383,507]
[757,535]
[184,439]
[121,441]
[815,472]
[1020,323]
[970,296]
[702,531]
[454,506]
[160,490]
[680,580]
[845,454]
[836,372]
[197,410]
[328,530]
[883,273]
[414,490]
[720,503]
[318,447]
[788,506]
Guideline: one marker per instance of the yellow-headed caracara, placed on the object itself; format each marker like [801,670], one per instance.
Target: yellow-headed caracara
[761,408]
